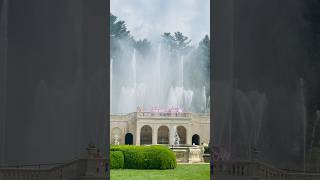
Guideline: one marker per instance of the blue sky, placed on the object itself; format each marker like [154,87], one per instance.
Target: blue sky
[150,18]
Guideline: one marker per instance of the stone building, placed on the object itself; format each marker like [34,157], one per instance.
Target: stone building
[139,128]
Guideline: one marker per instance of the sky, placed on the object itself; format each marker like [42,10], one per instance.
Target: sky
[151,18]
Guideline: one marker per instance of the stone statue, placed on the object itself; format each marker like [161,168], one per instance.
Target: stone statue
[176,137]
[116,139]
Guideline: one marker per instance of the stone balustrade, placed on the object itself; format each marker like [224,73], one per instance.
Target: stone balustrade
[95,168]
[163,114]
[77,169]
[230,170]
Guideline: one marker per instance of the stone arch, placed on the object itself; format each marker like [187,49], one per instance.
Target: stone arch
[128,139]
[146,135]
[196,139]
[116,135]
[163,135]
[182,132]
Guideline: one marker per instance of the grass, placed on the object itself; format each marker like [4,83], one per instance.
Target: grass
[183,171]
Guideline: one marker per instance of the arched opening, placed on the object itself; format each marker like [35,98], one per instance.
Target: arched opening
[163,135]
[196,139]
[146,135]
[182,132]
[116,136]
[128,139]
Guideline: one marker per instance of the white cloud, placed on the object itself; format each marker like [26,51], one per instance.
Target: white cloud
[150,18]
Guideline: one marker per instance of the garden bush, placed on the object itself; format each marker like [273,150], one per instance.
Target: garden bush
[116,160]
[147,157]
[207,150]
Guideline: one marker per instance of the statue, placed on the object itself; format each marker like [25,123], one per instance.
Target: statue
[176,138]
[116,139]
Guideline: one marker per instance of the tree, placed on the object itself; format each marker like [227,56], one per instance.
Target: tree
[182,42]
[177,44]
[118,28]
[143,46]
[204,52]
[118,34]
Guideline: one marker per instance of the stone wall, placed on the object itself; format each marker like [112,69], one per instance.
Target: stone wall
[133,122]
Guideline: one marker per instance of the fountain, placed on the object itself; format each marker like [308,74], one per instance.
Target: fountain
[139,86]
[208,105]
[188,95]
[132,95]
[204,99]
[185,153]
[250,107]
[179,97]
[111,84]
[150,85]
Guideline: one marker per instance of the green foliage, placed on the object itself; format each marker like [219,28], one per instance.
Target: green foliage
[118,28]
[147,157]
[116,160]
[118,34]
[207,150]
[177,43]
[143,46]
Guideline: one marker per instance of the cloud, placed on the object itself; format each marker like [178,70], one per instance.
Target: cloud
[150,18]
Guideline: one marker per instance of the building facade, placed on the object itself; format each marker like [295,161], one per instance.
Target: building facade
[139,128]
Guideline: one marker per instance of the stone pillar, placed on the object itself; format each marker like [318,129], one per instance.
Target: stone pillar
[171,135]
[154,134]
[189,134]
[138,135]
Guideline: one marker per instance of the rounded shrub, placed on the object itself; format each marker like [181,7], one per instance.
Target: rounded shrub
[116,160]
[147,157]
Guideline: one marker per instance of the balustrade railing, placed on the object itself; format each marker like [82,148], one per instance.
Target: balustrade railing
[258,170]
[72,170]
[165,114]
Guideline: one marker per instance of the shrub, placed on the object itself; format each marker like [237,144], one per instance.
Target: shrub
[207,150]
[147,157]
[116,160]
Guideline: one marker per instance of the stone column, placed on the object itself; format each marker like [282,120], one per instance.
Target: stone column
[154,134]
[171,135]
[138,135]
[189,135]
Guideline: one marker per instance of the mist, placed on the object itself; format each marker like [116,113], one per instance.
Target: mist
[158,77]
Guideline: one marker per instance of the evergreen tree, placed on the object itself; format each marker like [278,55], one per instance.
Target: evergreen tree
[143,47]
[177,44]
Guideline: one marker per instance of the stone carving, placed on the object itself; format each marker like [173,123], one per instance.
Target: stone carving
[116,139]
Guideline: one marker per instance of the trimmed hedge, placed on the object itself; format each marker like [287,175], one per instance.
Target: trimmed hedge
[116,160]
[147,157]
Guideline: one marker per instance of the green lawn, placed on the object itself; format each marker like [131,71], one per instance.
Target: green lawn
[183,171]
